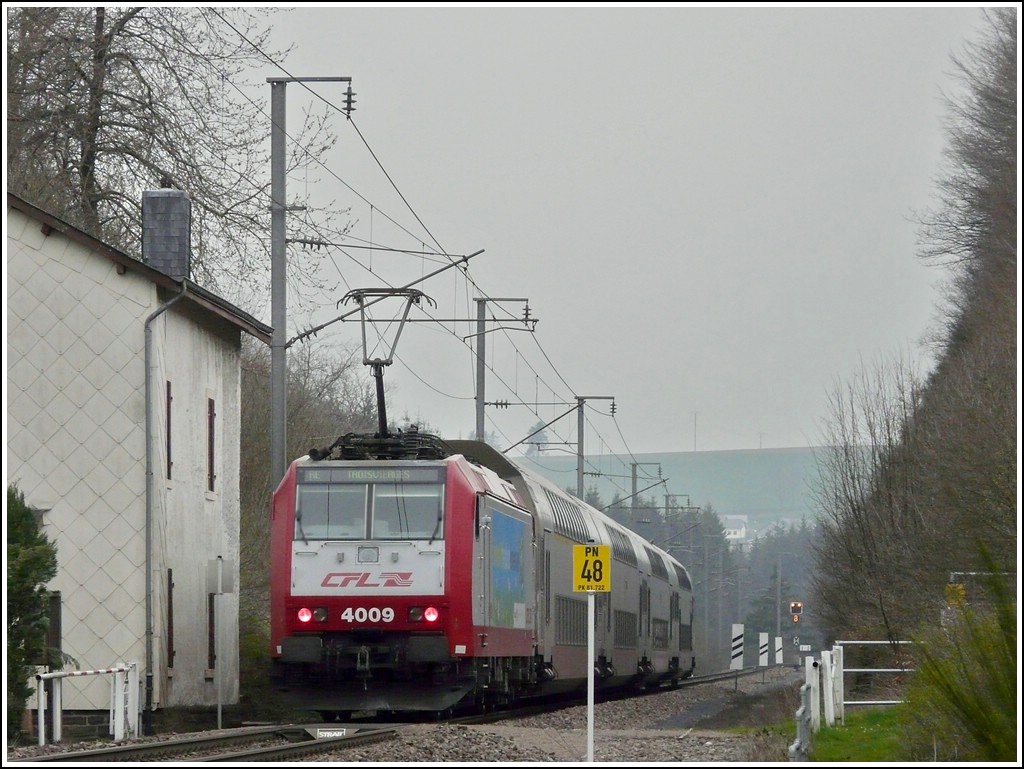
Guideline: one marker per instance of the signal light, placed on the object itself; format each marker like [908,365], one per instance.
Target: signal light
[430,614]
[305,615]
[796,607]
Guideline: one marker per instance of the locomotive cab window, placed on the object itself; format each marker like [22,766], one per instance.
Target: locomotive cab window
[406,511]
[331,511]
[367,503]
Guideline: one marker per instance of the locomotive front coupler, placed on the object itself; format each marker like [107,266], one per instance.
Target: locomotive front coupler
[363,665]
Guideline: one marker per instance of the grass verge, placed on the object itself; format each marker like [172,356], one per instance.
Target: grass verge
[869,734]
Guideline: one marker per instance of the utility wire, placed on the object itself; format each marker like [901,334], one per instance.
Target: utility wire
[373,154]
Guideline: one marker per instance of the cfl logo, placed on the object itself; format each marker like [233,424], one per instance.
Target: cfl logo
[365,579]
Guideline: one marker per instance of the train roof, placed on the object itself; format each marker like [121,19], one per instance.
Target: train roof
[484,454]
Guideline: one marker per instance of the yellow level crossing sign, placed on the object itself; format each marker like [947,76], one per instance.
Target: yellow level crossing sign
[591,569]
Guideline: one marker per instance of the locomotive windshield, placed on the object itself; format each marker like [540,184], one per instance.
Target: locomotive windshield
[360,504]
[405,511]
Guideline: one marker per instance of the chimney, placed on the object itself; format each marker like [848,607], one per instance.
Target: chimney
[167,232]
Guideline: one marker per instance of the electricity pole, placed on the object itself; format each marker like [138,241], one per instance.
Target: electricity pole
[632,497]
[278,271]
[778,598]
[778,594]
[481,347]
[580,399]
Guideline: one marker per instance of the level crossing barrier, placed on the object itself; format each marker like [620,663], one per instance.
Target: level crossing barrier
[124,699]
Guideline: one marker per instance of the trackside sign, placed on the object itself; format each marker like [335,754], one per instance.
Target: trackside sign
[591,569]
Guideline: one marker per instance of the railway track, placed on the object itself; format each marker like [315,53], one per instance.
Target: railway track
[565,701]
[267,743]
[291,741]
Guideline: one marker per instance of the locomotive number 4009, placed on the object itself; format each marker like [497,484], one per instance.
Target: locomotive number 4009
[368,615]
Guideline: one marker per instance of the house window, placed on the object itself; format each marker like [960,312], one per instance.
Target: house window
[168,430]
[211,416]
[211,627]
[170,618]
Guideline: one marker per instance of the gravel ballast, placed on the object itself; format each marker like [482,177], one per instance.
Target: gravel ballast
[679,725]
[667,727]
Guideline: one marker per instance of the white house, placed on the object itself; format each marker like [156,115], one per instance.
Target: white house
[123,409]
[735,527]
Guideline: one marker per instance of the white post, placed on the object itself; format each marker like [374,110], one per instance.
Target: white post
[133,699]
[56,707]
[41,709]
[590,675]
[118,698]
[112,709]
[762,659]
[840,693]
[812,675]
[827,689]
[778,650]
[737,648]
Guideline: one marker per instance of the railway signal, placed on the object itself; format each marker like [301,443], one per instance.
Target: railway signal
[796,608]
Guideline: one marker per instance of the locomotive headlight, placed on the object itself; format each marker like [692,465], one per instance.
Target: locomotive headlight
[305,615]
[424,614]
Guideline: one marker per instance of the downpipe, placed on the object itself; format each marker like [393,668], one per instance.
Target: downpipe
[147,712]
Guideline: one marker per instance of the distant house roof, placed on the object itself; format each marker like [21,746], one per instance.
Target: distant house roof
[195,293]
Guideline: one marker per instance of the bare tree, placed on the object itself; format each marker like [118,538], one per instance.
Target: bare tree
[104,103]
[969,412]
[327,396]
[974,230]
[872,522]
[921,479]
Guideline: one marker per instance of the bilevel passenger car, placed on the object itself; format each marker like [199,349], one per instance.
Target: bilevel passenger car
[411,574]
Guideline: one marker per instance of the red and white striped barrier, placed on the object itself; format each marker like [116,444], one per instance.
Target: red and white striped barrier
[124,699]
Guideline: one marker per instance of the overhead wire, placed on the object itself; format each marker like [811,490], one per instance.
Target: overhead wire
[443,252]
[300,82]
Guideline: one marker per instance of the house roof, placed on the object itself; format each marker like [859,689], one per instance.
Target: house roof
[195,293]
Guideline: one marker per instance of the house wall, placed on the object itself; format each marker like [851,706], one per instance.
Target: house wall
[76,449]
[193,525]
[76,438]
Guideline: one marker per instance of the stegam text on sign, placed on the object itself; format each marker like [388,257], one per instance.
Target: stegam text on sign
[591,569]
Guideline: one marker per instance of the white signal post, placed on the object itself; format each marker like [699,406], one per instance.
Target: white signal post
[592,574]
[218,582]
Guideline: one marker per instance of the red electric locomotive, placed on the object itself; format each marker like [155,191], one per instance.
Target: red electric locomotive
[413,574]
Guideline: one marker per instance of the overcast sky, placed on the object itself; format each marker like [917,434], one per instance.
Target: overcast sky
[712,211]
